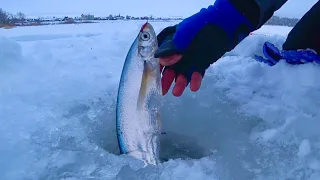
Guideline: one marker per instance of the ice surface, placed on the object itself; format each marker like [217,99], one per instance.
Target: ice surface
[57,113]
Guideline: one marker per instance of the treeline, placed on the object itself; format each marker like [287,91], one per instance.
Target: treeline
[19,19]
[7,19]
[282,21]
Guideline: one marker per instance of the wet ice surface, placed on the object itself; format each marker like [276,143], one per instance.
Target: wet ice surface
[57,113]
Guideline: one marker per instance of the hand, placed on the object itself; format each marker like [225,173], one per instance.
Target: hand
[167,62]
[184,66]
[181,80]
[186,50]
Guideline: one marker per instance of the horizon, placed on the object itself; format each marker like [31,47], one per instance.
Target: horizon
[99,8]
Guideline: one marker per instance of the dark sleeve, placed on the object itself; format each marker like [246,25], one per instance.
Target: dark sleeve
[258,11]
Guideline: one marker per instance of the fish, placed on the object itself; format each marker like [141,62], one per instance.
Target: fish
[138,119]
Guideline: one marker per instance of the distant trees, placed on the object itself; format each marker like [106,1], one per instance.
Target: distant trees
[21,16]
[3,17]
[282,21]
[7,19]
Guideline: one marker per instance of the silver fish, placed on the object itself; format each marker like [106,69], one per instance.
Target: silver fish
[139,96]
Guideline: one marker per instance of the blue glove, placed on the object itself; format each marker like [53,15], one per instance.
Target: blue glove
[274,55]
[203,38]
[221,14]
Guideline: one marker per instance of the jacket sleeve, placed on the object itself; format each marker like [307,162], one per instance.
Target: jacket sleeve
[258,11]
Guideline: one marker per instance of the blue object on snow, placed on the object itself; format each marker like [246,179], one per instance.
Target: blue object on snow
[274,55]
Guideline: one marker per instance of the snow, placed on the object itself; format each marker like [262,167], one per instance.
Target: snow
[304,148]
[57,113]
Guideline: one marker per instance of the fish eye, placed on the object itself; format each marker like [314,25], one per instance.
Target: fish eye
[145,36]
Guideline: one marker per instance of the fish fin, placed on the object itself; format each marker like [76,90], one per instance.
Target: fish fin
[143,87]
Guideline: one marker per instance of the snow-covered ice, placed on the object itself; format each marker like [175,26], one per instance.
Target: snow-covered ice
[58,89]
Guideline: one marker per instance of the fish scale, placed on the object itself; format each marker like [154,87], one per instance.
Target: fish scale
[138,121]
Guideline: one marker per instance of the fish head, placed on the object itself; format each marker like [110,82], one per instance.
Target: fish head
[147,44]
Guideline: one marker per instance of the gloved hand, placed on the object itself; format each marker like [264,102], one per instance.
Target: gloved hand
[186,50]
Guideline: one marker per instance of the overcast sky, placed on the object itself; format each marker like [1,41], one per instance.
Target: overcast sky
[184,8]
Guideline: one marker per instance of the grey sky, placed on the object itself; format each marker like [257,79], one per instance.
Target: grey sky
[293,8]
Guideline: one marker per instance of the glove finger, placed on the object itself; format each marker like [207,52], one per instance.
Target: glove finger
[165,43]
[162,36]
[167,48]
